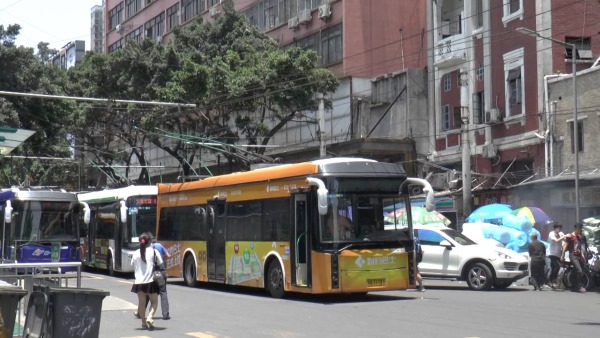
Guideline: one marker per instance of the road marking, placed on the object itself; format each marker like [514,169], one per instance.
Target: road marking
[204,334]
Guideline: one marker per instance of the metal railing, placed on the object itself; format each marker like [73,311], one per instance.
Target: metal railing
[30,276]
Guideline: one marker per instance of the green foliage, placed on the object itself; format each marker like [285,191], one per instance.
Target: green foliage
[24,72]
[244,88]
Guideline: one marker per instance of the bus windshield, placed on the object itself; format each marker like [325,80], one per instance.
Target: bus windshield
[42,221]
[141,216]
[355,210]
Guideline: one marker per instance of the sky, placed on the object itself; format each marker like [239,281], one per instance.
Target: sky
[57,22]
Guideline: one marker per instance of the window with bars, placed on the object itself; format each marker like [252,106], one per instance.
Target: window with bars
[447,82]
[514,6]
[513,81]
[457,118]
[446,117]
[136,35]
[115,16]
[172,17]
[115,46]
[579,136]
[132,7]
[480,72]
[328,44]
[478,13]
[189,9]
[155,28]
[512,10]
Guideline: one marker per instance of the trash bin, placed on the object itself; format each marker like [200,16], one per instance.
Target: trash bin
[10,296]
[37,313]
[74,312]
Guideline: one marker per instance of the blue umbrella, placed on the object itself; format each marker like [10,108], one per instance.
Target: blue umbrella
[490,213]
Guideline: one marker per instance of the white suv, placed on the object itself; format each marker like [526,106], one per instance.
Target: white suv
[449,254]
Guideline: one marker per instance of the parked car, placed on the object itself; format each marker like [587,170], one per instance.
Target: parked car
[449,254]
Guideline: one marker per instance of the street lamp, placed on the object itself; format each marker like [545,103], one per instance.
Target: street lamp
[573,47]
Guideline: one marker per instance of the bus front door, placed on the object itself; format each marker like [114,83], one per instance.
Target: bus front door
[216,241]
[301,249]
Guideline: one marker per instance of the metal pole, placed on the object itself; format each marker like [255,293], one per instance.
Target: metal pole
[322,151]
[575,130]
[465,142]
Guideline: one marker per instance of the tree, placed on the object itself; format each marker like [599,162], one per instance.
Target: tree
[24,72]
[244,86]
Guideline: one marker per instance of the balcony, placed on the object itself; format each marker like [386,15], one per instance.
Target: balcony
[450,51]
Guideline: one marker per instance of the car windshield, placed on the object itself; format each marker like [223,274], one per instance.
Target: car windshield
[458,237]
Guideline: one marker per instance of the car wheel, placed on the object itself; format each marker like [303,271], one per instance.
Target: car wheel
[502,285]
[275,280]
[189,271]
[479,277]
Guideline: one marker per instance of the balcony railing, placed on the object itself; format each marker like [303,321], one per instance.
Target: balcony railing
[450,51]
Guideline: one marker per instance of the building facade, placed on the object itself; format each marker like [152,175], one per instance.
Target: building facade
[69,55]
[412,72]
[377,49]
[97,29]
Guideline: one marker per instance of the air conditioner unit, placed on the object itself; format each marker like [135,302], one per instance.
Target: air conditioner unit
[585,54]
[492,116]
[439,181]
[119,28]
[304,16]
[488,151]
[324,11]
[293,22]
[213,12]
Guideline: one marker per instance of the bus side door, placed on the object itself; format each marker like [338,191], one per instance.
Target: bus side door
[216,241]
[301,249]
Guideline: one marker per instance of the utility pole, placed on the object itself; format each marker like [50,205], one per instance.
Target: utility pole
[322,152]
[464,141]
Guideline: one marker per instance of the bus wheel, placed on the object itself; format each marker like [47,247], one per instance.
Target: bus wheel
[275,280]
[110,266]
[189,271]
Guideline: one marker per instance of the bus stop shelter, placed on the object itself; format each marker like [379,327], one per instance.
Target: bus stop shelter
[10,138]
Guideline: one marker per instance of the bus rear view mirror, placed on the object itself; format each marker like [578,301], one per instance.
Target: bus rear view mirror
[123,212]
[322,193]
[87,213]
[8,212]
[427,189]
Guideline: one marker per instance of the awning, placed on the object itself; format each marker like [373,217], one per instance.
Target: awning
[10,138]
[513,74]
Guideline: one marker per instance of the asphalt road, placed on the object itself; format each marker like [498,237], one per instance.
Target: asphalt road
[445,309]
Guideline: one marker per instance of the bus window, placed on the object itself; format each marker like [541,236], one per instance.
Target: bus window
[276,219]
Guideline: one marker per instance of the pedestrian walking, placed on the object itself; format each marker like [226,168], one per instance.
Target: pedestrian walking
[537,255]
[144,285]
[164,299]
[418,258]
[556,239]
[575,244]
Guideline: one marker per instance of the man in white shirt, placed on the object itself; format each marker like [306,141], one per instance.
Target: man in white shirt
[555,238]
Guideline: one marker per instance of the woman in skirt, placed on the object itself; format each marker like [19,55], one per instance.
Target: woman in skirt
[144,285]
